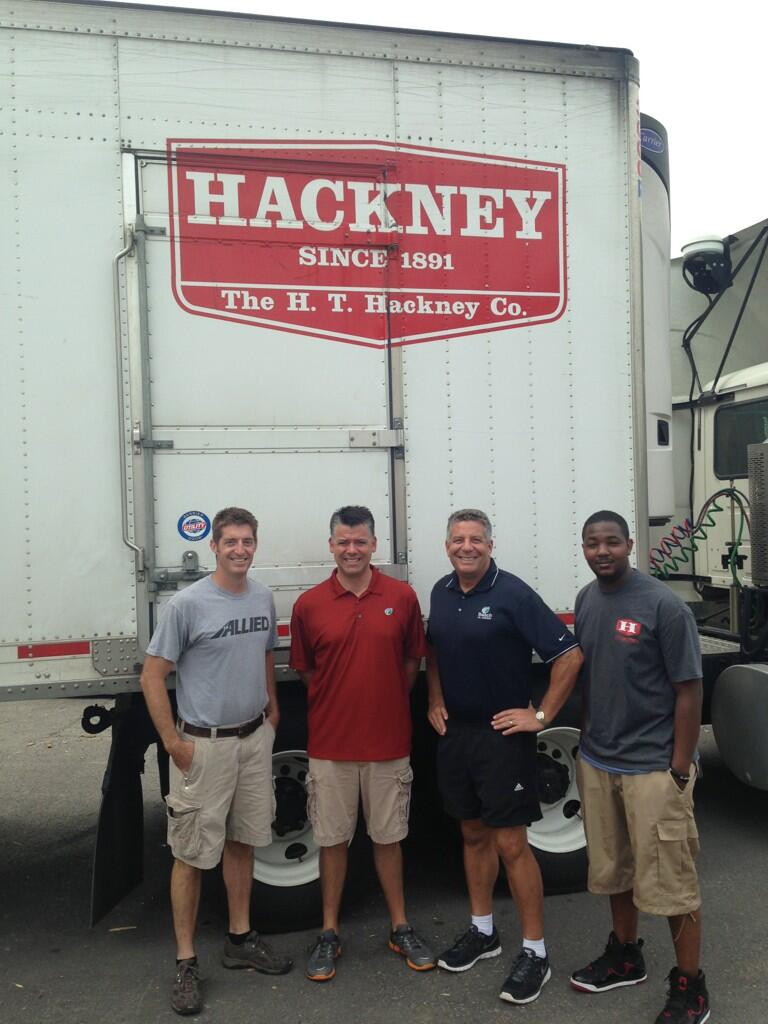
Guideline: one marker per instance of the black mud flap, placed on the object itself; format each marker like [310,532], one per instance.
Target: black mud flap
[118,860]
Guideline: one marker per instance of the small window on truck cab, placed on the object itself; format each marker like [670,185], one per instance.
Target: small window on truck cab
[737,426]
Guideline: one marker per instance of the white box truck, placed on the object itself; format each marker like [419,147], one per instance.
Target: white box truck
[290,266]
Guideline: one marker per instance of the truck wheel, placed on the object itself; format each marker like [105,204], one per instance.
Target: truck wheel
[286,874]
[558,840]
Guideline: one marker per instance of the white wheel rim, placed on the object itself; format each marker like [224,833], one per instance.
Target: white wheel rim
[558,832]
[277,864]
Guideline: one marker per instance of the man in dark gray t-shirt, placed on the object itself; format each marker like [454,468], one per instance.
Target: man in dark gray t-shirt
[218,634]
[643,635]
[642,712]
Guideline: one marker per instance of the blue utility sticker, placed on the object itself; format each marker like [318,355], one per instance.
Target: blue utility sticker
[194,526]
[651,140]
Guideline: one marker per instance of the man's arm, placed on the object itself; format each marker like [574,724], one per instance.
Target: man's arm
[437,713]
[272,710]
[153,677]
[562,679]
[688,698]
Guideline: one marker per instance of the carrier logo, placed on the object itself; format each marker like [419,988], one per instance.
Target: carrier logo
[238,627]
[485,613]
[389,611]
[627,628]
[368,243]
[194,526]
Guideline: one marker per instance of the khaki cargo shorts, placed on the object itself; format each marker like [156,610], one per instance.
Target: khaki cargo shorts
[641,835]
[227,794]
[334,791]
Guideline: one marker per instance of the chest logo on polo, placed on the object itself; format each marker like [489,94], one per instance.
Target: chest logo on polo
[236,627]
[485,613]
[389,611]
[626,629]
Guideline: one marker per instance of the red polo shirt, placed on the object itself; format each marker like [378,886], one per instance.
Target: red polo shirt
[359,707]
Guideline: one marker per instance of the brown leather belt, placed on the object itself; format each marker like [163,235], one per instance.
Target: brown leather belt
[234,730]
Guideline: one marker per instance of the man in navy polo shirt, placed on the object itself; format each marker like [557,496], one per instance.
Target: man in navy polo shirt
[484,624]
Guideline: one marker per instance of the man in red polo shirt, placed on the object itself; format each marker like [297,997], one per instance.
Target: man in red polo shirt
[356,641]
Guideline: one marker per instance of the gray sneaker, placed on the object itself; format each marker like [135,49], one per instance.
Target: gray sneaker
[186,998]
[406,942]
[256,954]
[321,965]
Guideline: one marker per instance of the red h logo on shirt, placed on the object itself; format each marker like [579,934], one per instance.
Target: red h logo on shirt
[628,627]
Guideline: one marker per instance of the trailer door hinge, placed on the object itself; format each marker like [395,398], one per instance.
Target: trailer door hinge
[141,225]
[140,442]
[376,438]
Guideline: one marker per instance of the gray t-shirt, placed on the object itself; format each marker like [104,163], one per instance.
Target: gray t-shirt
[218,641]
[637,641]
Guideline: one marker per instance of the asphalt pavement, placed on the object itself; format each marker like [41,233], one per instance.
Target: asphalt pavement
[54,969]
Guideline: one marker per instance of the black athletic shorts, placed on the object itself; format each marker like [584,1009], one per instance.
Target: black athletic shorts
[482,774]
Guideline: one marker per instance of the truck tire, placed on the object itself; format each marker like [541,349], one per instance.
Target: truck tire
[558,840]
[286,874]
[740,722]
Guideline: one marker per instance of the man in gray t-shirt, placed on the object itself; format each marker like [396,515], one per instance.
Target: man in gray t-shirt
[642,712]
[218,634]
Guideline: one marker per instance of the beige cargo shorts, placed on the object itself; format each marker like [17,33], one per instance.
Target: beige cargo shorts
[641,835]
[228,793]
[334,791]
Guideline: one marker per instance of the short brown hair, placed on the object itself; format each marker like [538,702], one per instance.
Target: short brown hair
[233,516]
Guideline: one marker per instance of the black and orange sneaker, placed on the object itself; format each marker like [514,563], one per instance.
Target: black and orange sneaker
[621,964]
[321,965]
[687,1000]
[404,940]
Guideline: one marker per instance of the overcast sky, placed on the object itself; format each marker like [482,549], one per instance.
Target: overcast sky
[701,71]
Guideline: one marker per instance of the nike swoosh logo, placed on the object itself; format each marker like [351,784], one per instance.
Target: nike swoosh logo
[562,637]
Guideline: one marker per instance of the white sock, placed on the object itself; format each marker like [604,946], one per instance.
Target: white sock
[537,945]
[483,923]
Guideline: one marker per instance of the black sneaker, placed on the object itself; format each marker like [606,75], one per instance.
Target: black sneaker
[528,976]
[256,954]
[468,948]
[687,1001]
[321,964]
[186,997]
[621,964]
[406,942]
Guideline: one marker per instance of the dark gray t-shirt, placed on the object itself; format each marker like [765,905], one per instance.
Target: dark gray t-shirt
[218,641]
[637,641]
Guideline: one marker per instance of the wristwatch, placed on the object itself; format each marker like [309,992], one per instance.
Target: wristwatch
[678,776]
[540,718]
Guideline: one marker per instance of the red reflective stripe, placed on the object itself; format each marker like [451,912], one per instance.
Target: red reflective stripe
[567,618]
[61,650]
[283,629]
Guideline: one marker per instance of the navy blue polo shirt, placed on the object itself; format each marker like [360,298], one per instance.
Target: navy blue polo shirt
[484,641]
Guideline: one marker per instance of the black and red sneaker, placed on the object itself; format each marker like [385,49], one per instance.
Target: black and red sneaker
[621,964]
[687,1001]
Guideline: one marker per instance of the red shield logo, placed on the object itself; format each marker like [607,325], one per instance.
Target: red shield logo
[368,243]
